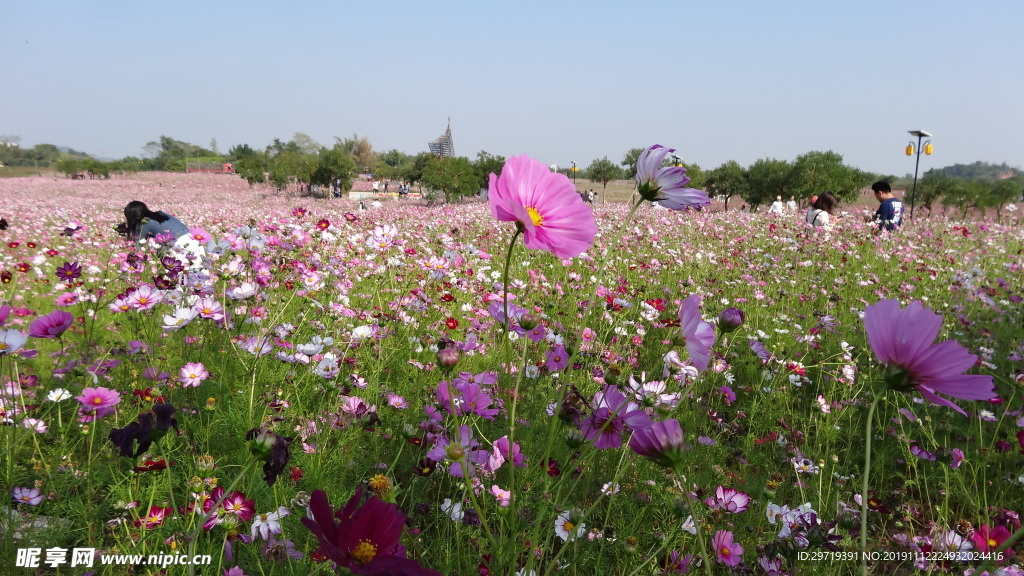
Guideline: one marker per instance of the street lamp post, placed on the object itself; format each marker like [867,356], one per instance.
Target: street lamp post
[910,150]
[573,174]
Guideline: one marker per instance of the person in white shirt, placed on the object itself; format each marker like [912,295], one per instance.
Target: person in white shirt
[820,214]
[791,205]
[776,207]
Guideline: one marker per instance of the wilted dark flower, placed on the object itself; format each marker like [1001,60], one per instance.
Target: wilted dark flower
[149,427]
[272,448]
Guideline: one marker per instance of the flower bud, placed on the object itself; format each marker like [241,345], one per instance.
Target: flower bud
[455,451]
[574,439]
[730,319]
[529,321]
[447,358]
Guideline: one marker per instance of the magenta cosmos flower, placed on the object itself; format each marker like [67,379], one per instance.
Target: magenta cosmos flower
[545,206]
[666,184]
[52,325]
[698,335]
[661,442]
[362,539]
[99,400]
[903,339]
[728,551]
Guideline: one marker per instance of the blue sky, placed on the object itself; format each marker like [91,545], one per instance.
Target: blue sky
[559,81]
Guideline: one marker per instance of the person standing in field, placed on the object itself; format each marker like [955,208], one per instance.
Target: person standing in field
[890,209]
[776,207]
[791,205]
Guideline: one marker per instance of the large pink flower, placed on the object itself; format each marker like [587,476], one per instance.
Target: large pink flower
[698,335]
[903,339]
[545,205]
[52,325]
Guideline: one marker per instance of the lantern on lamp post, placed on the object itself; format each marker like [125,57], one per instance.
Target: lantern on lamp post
[928,148]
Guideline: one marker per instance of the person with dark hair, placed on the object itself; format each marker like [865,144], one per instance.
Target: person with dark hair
[890,210]
[141,224]
[3,224]
[820,213]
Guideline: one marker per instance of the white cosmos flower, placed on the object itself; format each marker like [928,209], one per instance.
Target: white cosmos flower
[58,394]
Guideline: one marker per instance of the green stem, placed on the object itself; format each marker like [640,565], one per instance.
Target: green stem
[697,522]
[504,278]
[213,510]
[864,490]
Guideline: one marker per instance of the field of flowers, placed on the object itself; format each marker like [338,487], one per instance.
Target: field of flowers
[365,392]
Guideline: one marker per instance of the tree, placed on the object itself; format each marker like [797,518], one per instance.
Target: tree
[1001,193]
[816,172]
[69,166]
[252,168]
[603,171]
[767,179]
[306,144]
[360,149]
[456,177]
[485,165]
[964,194]
[394,158]
[932,187]
[414,171]
[239,151]
[697,176]
[334,165]
[630,160]
[728,180]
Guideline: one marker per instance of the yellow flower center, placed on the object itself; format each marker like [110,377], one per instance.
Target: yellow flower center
[364,552]
[568,526]
[992,543]
[97,400]
[3,346]
[538,220]
[379,483]
[725,551]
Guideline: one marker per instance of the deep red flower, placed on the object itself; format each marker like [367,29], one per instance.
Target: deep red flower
[323,224]
[451,323]
[152,466]
[362,538]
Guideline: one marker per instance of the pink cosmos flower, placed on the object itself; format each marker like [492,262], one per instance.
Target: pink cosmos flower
[666,185]
[698,335]
[544,205]
[30,496]
[52,325]
[98,401]
[193,374]
[661,442]
[145,297]
[903,340]
[729,499]
[727,550]
[66,299]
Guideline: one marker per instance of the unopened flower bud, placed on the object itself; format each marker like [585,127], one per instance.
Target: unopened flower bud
[574,439]
[730,319]
[455,451]
[447,358]
[528,321]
